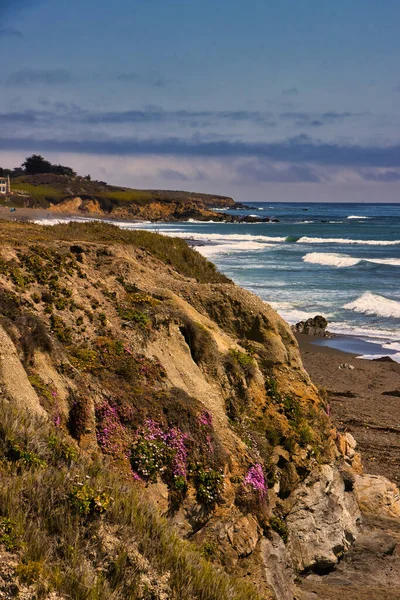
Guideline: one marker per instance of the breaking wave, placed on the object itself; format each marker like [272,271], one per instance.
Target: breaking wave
[312,240]
[343,260]
[373,304]
[357,217]
[211,250]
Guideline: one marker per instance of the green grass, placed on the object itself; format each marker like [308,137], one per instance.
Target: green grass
[40,193]
[77,525]
[171,251]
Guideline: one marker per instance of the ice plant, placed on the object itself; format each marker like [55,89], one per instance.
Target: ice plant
[109,431]
[158,451]
[205,419]
[255,479]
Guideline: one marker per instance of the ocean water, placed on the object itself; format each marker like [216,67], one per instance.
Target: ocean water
[338,260]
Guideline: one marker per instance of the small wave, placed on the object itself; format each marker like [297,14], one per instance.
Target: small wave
[211,250]
[312,240]
[343,260]
[234,237]
[292,239]
[330,260]
[395,357]
[357,217]
[373,304]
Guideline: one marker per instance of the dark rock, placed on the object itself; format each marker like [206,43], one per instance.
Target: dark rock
[394,393]
[384,359]
[314,326]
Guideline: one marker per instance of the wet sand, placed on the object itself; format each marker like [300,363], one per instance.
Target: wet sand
[365,401]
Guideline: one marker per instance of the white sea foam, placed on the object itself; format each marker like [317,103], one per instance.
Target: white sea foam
[228,248]
[312,240]
[343,260]
[229,237]
[330,260]
[290,313]
[357,217]
[373,304]
[395,357]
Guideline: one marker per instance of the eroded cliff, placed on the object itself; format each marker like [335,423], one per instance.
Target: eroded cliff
[133,374]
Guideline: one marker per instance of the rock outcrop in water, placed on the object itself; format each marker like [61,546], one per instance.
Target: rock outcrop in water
[134,375]
[314,326]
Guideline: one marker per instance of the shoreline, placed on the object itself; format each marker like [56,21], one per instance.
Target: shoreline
[355,344]
[364,400]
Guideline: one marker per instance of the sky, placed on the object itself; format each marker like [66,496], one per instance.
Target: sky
[258,99]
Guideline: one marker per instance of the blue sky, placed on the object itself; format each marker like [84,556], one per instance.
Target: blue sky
[261,100]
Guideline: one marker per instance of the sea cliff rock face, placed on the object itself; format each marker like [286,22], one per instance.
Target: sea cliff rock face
[142,354]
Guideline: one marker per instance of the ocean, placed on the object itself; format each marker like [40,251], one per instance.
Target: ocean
[338,260]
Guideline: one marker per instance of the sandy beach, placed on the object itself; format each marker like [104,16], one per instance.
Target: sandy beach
[365,401]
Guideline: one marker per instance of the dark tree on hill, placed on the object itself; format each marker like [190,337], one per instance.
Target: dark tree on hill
[36,164]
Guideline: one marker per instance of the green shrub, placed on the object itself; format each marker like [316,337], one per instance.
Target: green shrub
[208,484]
[87,501]
[60,329]
[277,524]
[8,534]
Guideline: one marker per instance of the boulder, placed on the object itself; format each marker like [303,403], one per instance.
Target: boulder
[314,326]
[277,568]
[323,521]
[377,495]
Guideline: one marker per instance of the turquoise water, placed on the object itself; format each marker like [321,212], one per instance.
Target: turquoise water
[338,260]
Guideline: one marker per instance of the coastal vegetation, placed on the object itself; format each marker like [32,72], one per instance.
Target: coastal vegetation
[159,426]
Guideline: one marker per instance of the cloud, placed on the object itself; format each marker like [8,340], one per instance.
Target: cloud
[298,150]
[28,77]
[262,171]
[9,32]
[150,79]
[290,92]
[193,118]
[20,118]
[381,176]
[178,175]
[304,119]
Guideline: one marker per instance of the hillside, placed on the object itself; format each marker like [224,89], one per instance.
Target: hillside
[63,193]
[159,436]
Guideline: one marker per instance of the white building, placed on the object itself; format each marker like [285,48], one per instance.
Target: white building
[5,187]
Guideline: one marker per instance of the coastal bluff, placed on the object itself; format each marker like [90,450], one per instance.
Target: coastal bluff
[159,435]
[62,193]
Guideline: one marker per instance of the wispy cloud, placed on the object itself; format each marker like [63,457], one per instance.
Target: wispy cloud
[195,118]
[29,77]
[290,92]
[305,119]
[9,32]
[381,176]
[150,79]
[264,171]
[299,150]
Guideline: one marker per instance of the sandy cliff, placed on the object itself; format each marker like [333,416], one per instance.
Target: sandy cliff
[136,350]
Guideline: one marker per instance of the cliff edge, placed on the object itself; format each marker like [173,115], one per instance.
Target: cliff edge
[159,436]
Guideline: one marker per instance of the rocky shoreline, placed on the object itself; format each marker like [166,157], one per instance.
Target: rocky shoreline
[365,407]
[26,214]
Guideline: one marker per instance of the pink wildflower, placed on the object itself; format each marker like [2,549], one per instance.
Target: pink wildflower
[205,419]
[255,479]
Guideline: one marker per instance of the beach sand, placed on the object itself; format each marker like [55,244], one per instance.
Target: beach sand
[365,401]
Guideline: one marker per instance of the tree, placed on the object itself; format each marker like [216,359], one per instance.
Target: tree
[36,164]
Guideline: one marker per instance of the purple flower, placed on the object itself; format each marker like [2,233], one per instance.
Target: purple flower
[255,479]
[205,419]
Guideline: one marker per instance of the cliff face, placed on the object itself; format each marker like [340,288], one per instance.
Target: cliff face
[134,353]
[66,193]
